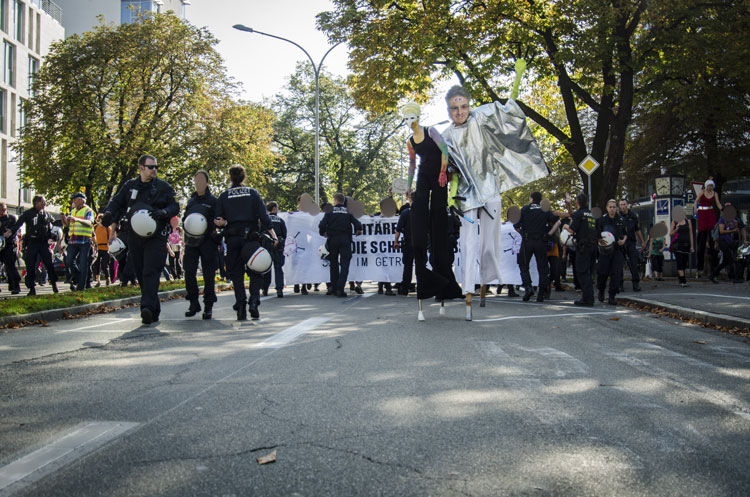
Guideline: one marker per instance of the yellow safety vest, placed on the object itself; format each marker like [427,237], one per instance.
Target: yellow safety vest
[80,229]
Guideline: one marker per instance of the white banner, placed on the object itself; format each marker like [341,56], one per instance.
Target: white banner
[373,256]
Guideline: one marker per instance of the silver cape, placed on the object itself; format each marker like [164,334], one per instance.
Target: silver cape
[494,151]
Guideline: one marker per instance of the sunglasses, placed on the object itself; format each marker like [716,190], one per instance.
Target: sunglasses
[151,167]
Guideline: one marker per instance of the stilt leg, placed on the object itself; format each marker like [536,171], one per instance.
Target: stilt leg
[482,295]
[420,315]
[442,308]
[468,307]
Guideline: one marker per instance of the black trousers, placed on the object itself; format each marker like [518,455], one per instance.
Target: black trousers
[585,261]
[8,258]
[208,256]
[538,249]
[408,261]
[147,256]
[705,242]
[632,253]
[101,265]
[340,248]
[610,266]
[554,269]
[278,270]
[729,250]
[236,270]
[33,252]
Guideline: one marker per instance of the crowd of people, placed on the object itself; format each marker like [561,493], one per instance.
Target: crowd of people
[140,237]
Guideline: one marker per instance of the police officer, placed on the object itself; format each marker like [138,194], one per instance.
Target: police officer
[8,252]
[35,242]
[201,247]
[337,227]
[633,230]
[146,251]
[240,211]
[404,228]
[279,227]
[583,227]
[535,226]
[611,258]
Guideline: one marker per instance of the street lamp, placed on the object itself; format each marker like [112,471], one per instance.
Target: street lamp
[316,70]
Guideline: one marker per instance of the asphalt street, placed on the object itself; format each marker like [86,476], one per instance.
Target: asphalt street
[358,398]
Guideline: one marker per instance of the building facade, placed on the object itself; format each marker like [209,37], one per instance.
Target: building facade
[28,28]
[82,15]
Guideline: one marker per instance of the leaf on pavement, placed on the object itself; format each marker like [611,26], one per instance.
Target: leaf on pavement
[614,319]
[267,458]
[700,342]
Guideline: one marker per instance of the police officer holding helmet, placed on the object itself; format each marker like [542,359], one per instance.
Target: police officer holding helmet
[277,254]
[633,231]
[612,229]
[8,250]
[200,244]
[583,227]
[535,226]
[35,242]
[242,214]
[147,203]
[337,227]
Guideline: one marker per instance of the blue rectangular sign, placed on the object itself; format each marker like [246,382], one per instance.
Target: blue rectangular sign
[662,207]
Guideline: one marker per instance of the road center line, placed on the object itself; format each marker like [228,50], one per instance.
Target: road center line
[549,316]
[95,325]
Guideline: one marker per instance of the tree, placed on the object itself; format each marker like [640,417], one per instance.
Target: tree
[592,50]
[155,86]
[358,157]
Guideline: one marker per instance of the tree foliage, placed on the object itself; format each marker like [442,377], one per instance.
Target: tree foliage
[358,157]
[155,86]
[594,53]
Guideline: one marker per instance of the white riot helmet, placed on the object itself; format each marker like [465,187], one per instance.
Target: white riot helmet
[2,242]
[323,252]
[195,224]
[57,233]
[143,224]
[260,261]
[607,242]
[117,247]
[567,239]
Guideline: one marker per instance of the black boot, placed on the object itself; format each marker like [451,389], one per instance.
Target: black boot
[194,309]
[254,309]
[54,287]
[601,295]
[207,312]
[611,300]
[241,313]
[527,294]
[32,291]
[511,291]
[303,290]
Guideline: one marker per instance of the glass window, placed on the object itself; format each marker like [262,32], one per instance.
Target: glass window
[128,14]
[21,120]
[3,98]
[9,64]
[33,69]
[4,15]
[18,11]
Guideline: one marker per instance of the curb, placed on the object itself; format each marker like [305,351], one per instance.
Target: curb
[57,314]
[706,317]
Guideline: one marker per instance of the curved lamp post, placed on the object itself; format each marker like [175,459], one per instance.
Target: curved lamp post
[316,70]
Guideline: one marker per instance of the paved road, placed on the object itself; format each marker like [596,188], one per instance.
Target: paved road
[357,398]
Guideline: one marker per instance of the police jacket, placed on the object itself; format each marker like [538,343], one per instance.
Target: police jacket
[244,211]
[583,225]
[8,222]
[404,223]
[156,194]
[38,225]
[632,224]
[204,204]
[535,223]
[279,227]
[615,225]
[338,222]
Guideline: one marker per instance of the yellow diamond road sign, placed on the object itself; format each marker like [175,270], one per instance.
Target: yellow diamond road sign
[588,165]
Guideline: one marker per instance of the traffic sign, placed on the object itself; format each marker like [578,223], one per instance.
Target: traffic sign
[588,165]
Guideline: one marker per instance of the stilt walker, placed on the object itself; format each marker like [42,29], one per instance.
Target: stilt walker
[429,211]
[493,151]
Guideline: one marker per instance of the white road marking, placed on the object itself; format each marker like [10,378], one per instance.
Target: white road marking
[698,295]
[80,441]
[284,337]
[96,325]
[551,315]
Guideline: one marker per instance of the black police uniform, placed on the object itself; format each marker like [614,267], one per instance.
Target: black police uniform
[583,225]
[337,226]
[610,264]
[632,225]
[36,245]
[404,227]
[243,209]
[8,254]
[204,249]
[277,254]
[147,255]
[534,226]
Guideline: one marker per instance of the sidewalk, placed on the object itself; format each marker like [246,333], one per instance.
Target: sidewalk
[724,304]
